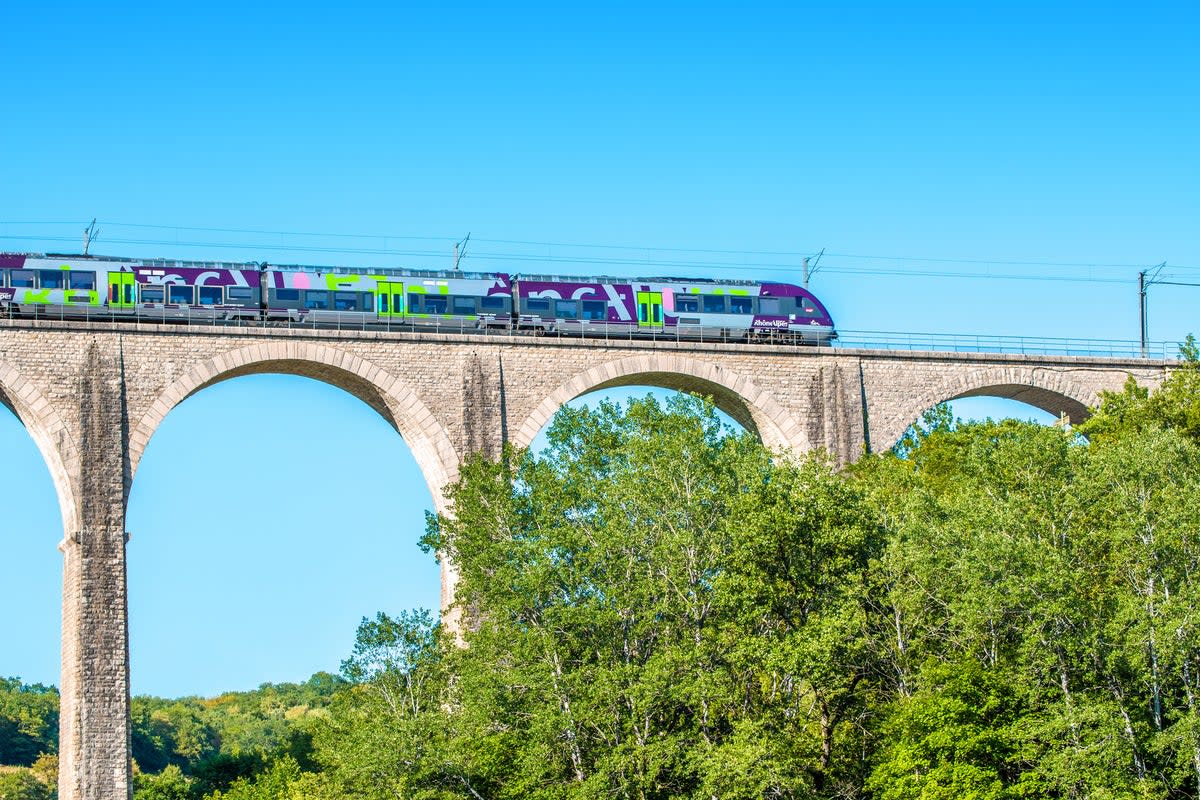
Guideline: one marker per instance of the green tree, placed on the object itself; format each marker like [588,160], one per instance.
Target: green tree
[798,584]
[283,780]
[951,740]
[630,632]
[170,784]
[658,607]
[1174,405]
[28,721]
[589,575]
[388,735]
[21,784]
[1063,573]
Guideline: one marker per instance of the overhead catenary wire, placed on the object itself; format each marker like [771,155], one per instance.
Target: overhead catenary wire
[757,268]
[700,250]
[743,265]
[797,254]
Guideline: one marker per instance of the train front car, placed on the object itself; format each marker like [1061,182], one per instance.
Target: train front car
[742,310]
[685,308]
[793,311]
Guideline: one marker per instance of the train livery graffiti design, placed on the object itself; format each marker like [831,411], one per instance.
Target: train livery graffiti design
[74,286]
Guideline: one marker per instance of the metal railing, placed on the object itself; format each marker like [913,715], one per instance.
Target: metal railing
[624,332]
[1023,345]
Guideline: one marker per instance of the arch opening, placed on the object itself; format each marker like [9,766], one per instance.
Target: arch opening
[270,514]
[349,382]
[736,396]
[725,399]
[621,395]
[31,569]
[982,407]
[1036,398]
[1044,396]
[392,400]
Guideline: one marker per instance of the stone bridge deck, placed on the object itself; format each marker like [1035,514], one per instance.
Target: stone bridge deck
[92,396]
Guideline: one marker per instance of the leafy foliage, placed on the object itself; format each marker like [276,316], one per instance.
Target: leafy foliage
[1173,406]
[632,629]
[28,721]
[22,784]
[658,608]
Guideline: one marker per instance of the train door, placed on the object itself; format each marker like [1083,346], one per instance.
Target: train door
[121,289]
[650,310]
[389,299]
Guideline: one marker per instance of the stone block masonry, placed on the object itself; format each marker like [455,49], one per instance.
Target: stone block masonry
[92,396]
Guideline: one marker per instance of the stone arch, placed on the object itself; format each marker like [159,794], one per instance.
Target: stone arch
[1048,389]
[392,398]
[49,433]
[734,394]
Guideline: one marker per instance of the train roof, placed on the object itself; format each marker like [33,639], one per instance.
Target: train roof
[163,263]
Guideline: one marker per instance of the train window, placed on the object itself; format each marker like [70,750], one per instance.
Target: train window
[151,294]
[714,303]
[595,309]
[414,303]
[687,305]
[805,308]
[239,293]
[181,295]
[566,309]
[436,304]
[21,278]
[52,278]
[209,295]
[740,305]
[768,305]
[493,303]
[316,300]
[536,304]
[345,301]
[287,295]
[464,305]
[82,280]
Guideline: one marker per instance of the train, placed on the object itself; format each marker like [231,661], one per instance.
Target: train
[92,287]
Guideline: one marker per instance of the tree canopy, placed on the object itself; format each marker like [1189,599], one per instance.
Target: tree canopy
[656,606]
[659,607]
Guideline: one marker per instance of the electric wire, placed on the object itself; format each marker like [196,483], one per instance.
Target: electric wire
[599,261]
[757,268]
[585,245]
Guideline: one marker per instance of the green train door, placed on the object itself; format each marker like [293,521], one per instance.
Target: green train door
[389,299]
[121,289]
[650,309]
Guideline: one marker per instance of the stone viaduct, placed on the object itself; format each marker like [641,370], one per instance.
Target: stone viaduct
[92,396]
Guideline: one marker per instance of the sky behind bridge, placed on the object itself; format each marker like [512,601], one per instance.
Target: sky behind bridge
[1005,170]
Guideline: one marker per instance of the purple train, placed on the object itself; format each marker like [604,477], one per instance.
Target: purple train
[90,287]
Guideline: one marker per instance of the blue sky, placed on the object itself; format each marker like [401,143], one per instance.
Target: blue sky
[996,171]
